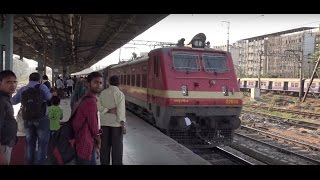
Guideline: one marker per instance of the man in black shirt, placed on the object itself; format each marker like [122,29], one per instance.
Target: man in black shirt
[45,81]
[8,124]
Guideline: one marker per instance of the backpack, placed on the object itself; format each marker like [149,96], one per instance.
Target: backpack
[61,146]
[33,106]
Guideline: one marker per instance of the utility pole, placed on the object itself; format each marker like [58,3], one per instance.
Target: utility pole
[312,77]
[227,34]
[259,73]
[300,72]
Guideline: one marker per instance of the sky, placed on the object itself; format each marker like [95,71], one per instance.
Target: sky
[241,26]
[215,27]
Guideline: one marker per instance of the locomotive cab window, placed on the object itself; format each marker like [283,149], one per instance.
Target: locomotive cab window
[214,63]
[185,62]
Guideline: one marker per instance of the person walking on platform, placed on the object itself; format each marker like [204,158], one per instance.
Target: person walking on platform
[60,87]
[75,80]
[33,98]
[55,114]
[69,86]
[78,92]
[8,124]
[45,81]
[86,122]
[111,105]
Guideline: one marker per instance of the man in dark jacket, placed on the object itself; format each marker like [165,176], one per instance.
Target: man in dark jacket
[8,124]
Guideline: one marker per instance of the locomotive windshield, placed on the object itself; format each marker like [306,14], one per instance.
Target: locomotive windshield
[214,62]
[185,62]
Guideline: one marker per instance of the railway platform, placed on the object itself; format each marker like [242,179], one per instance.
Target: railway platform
[143,145]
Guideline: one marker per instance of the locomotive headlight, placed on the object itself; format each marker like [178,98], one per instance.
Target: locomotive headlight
[184,90]
[197,43]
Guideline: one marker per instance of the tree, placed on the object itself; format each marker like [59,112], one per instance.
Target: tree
[21,69]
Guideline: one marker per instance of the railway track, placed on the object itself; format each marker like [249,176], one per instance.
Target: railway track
[277,149]
[288,151]
[221,156]
[287,121]
[300,113]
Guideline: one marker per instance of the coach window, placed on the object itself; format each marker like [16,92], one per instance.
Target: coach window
[121,79]
[214,62]
[128,79]
[138,80]
[185,62]
[133,79]
[124,79]
[144,80]
[277,84]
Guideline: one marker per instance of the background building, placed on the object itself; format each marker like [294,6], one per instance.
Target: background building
[280,54]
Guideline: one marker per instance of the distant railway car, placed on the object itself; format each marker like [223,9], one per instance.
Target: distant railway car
[286,85]
[315,86]
[190,93]
[248,83]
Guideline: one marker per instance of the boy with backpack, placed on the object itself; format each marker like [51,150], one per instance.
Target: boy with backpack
[33,98]
[55,114]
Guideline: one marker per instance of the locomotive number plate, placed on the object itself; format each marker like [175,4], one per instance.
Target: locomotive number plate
[232,101]
[180,101]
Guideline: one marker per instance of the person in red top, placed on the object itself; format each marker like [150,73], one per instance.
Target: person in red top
[86,125]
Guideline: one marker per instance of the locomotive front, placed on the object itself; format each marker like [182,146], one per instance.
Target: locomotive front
[202,97]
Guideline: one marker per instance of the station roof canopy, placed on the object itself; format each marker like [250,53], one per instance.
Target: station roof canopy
[76,40]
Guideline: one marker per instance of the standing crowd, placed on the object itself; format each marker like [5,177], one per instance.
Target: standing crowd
[98,117]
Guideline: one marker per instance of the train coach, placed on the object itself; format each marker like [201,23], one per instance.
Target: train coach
[286,85]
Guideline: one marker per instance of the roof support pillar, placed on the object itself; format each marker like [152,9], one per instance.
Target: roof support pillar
[1,58]
[6,41]
[57,51]
[40,67]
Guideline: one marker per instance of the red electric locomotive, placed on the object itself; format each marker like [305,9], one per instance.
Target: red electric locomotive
[190,93]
